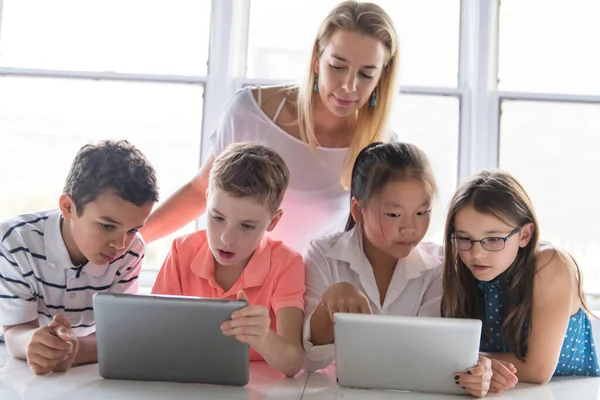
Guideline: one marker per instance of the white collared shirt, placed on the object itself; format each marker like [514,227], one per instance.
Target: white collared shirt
[38,279]
[415,288]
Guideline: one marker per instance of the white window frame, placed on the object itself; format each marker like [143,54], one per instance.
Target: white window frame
[477,89]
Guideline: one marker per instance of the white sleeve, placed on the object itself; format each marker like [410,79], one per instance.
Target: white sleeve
[18,300]
[318,279]
[226,131]
[432,299]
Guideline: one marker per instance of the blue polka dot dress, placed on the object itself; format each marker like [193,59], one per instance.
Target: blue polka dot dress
[578,353]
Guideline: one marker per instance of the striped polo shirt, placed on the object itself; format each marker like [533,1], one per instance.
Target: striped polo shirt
[38,279]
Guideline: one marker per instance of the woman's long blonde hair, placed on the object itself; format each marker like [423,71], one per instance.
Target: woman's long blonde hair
[371,122]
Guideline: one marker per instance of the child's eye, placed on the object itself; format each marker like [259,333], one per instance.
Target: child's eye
[393,215]
[492,240]
[132,231]
[217,218]
[366,76]
[246,226]
[107,226]
[335,67]
[421,213]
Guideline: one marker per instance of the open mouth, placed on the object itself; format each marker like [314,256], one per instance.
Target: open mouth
[226,254]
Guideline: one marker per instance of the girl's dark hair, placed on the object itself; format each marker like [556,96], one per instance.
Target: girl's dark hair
[379,163]
[498,194]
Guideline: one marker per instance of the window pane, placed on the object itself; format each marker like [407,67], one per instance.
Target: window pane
[548,46]
[431,122]
[135,36]
[44,122]
[428,30]
[552,148]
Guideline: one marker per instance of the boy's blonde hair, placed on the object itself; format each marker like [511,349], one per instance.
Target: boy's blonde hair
[251,170]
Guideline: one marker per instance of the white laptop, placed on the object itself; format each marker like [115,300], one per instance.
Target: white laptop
[168,338]
[404,353]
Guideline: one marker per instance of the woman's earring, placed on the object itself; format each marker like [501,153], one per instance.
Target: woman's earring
[374,98]
[316,87]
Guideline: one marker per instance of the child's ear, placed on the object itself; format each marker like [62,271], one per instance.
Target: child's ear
[526,234]
[355,210]
[274,220]
[67,206]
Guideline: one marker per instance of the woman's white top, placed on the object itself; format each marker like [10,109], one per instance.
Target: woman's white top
[415,288]
[315,203]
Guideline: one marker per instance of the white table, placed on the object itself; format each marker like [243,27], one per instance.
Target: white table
[18,382]
[322,386]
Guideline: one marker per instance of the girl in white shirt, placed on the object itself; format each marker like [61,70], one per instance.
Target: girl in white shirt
[379,265]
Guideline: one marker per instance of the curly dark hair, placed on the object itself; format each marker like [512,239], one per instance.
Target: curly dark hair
[111,164]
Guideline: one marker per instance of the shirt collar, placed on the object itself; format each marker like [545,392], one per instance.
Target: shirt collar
[349,248]
[57,255]
[255,273]
[497,283]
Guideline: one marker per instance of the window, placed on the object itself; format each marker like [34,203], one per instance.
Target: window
[432,123]
[547,45]
[547,147]
[133,36]
[428,30]
[40,136]
[46,115]
[549,119]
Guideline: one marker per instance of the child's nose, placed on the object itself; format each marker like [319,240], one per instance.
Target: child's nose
[227,237]
[477,251]
[408,228]
[119,242]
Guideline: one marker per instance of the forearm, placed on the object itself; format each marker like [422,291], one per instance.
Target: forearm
[182,207]
[280,353]
[528,372]
[321,327]
[87,350]
[17,339]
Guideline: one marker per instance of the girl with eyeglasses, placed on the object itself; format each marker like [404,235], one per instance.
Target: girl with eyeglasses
[527,294]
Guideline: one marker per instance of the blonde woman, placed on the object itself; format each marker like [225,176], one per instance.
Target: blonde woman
[318,126]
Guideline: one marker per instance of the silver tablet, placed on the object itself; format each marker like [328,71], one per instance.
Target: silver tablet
[404,353]
[168,338]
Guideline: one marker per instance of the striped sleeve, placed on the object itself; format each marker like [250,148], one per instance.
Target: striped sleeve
[127,276]
[18,300]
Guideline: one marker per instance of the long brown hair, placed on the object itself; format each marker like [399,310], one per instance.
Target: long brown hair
[501,195]
[371,122]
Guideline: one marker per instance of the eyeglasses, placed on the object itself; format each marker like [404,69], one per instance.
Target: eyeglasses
[488,243]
